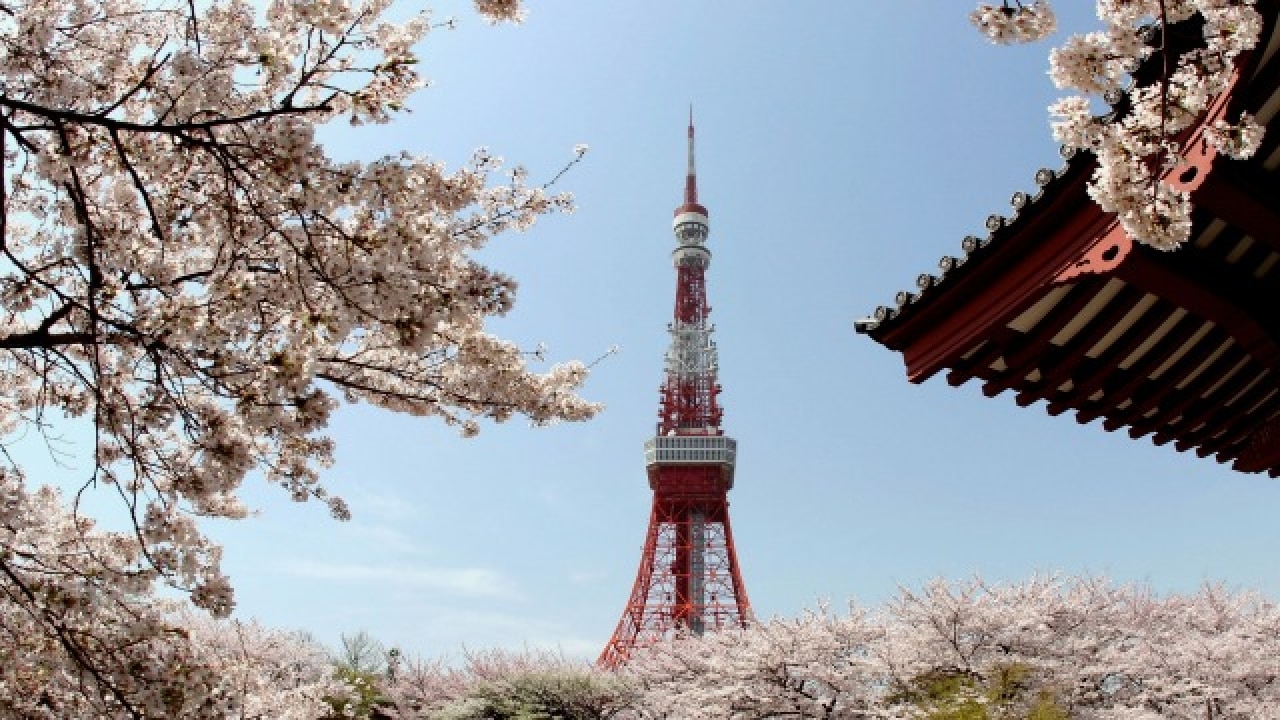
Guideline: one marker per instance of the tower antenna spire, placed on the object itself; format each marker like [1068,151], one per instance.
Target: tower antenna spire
[691,176]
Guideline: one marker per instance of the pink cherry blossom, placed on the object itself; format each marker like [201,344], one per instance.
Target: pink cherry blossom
[1080,648]
[1137,144]
[1016,23]
[190,274]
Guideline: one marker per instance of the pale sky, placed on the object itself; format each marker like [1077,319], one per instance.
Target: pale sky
[843,148]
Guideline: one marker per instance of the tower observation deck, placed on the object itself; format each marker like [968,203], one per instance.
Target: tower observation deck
[688,580]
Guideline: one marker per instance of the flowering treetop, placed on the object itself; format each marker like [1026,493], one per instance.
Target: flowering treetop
[1044,648]
[1134,149]
[184,268]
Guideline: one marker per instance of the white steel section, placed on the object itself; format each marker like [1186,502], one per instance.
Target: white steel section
[691,254]
[692,353]
[687,223]
[692,168]
[691,450]
[697,570]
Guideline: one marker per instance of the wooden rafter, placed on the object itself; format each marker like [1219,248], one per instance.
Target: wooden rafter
[1220,294]
[1090,378]
[1024,353]
[1124,383]
[1061,364]
[1250,198]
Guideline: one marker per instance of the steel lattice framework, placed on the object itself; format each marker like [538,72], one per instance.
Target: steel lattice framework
[688,581]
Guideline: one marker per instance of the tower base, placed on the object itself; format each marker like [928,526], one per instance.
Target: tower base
[688,580]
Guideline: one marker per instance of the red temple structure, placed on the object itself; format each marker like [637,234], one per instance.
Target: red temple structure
[1056,304]
[688,579]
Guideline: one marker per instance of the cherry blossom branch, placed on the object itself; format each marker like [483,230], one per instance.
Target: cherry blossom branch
[1134,148]
[82,656]
[179,128]
[188,261]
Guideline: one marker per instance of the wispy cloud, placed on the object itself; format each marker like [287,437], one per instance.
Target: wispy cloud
[451,630]
[587,577]
[386,539]
[380,504]
[471,582]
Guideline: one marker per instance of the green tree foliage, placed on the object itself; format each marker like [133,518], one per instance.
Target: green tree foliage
[501,685]
[1007,692]
[560,694]
[361,665]
[1045,649]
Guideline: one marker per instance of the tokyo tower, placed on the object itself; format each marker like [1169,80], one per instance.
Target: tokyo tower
[688,579]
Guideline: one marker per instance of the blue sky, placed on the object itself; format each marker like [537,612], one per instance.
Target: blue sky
[843,148]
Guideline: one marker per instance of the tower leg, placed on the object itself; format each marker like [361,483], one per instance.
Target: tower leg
[688,581]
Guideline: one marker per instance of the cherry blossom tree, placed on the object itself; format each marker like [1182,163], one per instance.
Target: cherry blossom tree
[265,673]
[84,636]
[1048,648]
[1044,649]
[497,684]
[1161,81]
[185,272]
[819,665]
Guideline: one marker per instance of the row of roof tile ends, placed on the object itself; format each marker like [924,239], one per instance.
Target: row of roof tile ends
[972,246]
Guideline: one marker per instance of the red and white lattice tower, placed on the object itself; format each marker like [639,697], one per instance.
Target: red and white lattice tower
[688,579]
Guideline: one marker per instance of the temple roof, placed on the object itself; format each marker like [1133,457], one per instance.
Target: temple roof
[1057,305]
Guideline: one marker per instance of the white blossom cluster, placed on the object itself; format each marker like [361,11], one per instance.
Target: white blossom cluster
[1018,23]
[1045,648]
[500,10]
[90,639]
[183,268]
[1048,648]
[263,672]
[1138,147]
[1239,141]
[496,683]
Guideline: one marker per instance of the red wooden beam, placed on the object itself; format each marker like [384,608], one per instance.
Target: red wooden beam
[1181,399]
[1060,364]
[1021,355]
[1207,414]
[1011,274]
[1118,385]
[979,361]
[1093,375]
[1263,449]
[1153,392]
[1256,407]
[1230,300]
[1247,200]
